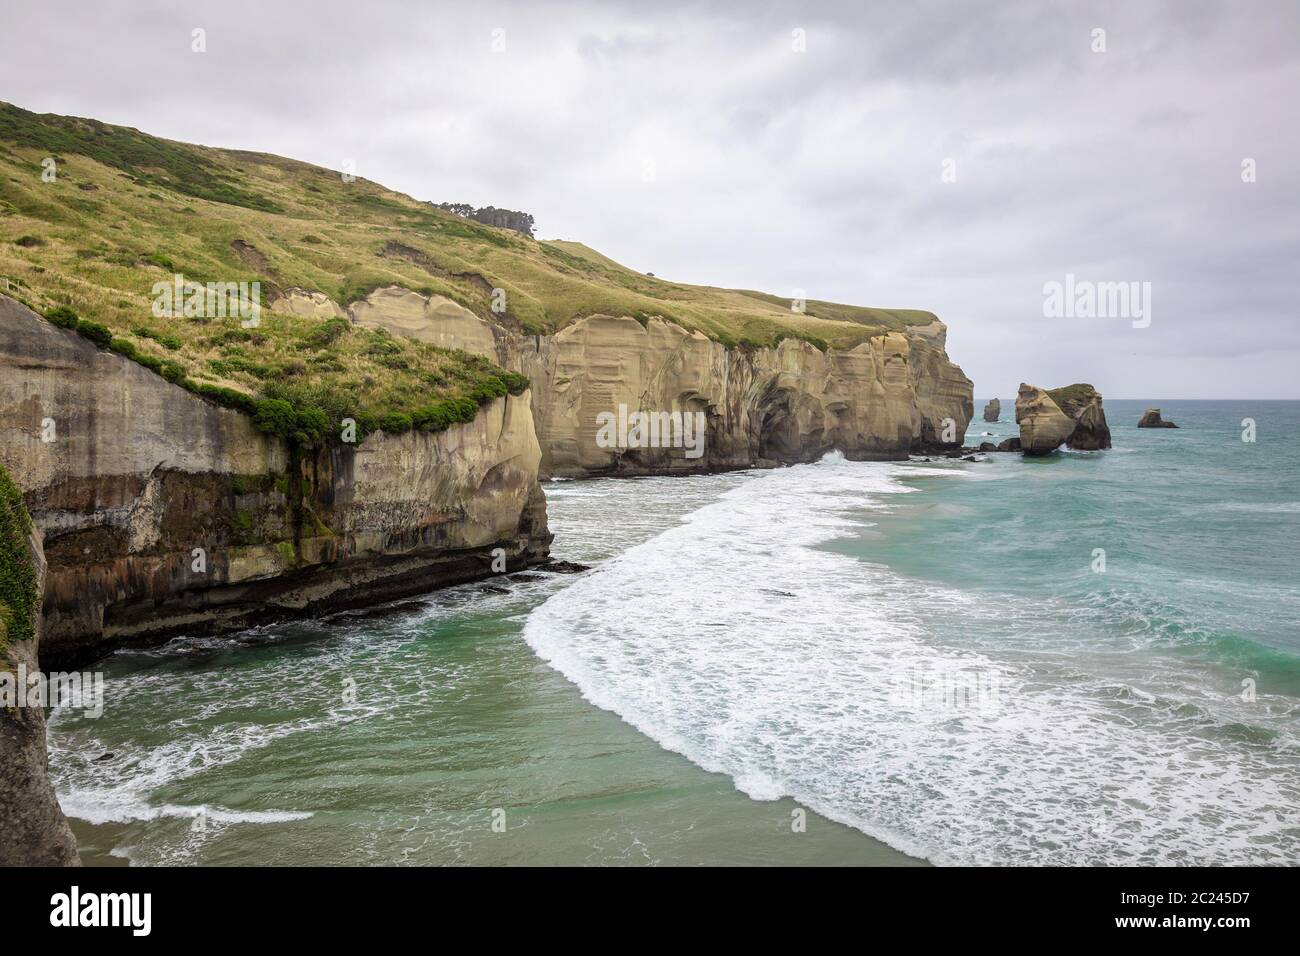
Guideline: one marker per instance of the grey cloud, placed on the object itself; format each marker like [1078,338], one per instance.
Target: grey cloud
[782,170]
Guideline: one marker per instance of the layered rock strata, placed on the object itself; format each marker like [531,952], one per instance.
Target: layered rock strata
[895,394]
[161,512]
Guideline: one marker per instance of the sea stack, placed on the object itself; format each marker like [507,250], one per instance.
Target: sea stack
[992,411]
[1151,419]
[1082,403]
[1043,426]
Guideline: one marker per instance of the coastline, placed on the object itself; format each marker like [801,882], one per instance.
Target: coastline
[891,567]
[584,786]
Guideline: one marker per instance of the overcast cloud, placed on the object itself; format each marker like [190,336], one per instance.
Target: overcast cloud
[782,170]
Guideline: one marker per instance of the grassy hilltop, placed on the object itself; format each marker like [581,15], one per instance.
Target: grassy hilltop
[128,210]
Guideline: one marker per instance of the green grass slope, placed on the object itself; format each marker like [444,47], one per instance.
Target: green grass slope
[128,210]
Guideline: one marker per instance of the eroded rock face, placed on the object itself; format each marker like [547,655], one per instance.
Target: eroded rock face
[434,319]
[992,411]
[142,473]
[1083,403]
[1043,426]
[33,830]
[1151,419]
[311,305]
[895,394]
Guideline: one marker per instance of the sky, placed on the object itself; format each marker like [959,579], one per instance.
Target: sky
[957,157]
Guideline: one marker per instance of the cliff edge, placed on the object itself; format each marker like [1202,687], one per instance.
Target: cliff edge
[162,512]
[896,393]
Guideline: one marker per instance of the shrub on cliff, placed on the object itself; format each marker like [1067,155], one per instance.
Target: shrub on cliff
[308,426]
[99,334]
[394,423]
[276,417]
[124,347]
[62,316]
[19,600]
[444,414]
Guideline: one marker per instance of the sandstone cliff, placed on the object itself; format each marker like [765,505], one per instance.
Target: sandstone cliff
[894,394]
[992,411]
[33,831]
[161,512]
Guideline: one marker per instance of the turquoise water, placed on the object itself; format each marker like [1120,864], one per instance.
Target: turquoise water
[929,657]
[455,725]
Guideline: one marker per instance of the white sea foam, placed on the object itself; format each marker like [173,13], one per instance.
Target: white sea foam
[739,640]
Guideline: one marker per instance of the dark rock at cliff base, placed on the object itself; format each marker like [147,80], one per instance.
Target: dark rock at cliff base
[1151,419]
[33,831]
[1082,403]
[1009,444]
[992,411]
[376,613]
[564,567]
[989,446]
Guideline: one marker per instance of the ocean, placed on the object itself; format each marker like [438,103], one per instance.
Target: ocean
[1092,658]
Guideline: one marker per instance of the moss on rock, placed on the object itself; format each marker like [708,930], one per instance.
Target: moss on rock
[19,598]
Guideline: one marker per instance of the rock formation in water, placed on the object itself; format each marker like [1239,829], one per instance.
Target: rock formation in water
[1083,403]
[1072,415]
[161,512]
[1151,419]
[33,830]
[992,411]
[1043,426]
[895,394]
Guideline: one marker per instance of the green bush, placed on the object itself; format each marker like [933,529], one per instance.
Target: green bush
[174,372]
[124,347]
[367,423]
[444,414]
[325,333]
[19,598]
[516,384]
[488,389]
[99,334]
[394,423]
[227,397]
[275,416]
[27,242]
[311,425]
[308,426]
[62,316]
